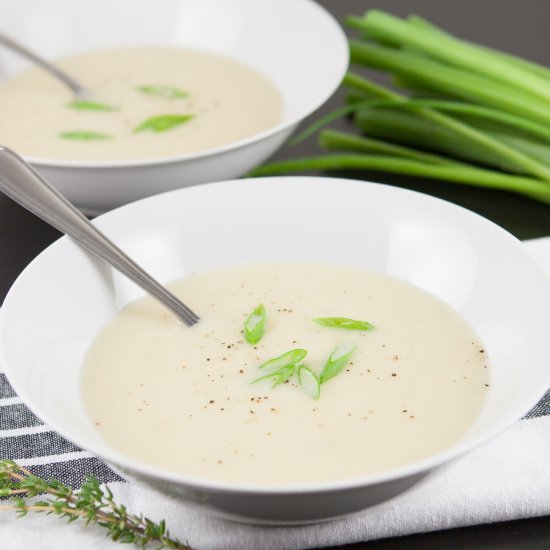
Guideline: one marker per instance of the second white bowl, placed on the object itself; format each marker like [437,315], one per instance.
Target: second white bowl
[296,44]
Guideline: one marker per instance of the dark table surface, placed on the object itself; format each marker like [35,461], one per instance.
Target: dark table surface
[517,26]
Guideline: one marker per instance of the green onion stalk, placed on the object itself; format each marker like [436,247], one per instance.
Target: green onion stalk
[465,113]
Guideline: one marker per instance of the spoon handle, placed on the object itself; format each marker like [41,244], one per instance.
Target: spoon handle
[77,89]
[25,186]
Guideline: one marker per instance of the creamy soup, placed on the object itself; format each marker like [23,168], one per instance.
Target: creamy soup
[145,102]
[185,399]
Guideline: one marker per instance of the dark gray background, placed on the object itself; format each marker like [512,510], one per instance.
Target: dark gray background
[517,26]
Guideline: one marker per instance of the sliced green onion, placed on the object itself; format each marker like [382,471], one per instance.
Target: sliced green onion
[162,123]
[289,358]
[337,361]
[163,91]
[309,381]
[343,322]
[254,325]
[84,135]
[279,376]
[84,105]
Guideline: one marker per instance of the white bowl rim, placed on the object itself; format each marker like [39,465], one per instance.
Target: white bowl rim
[339,35]
[417,468]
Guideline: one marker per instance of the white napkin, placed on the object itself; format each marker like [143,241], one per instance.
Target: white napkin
[507,478]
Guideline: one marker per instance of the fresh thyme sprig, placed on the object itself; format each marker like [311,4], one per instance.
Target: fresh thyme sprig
[92,503]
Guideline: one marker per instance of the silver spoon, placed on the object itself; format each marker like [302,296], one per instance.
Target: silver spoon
[78,90]
[24,185]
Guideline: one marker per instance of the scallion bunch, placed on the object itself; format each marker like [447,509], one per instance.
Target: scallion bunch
[464,113]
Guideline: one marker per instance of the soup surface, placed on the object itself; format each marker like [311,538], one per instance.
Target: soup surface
[184,399]
[145,102]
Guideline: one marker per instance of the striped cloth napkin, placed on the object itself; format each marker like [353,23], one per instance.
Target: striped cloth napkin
[508,478]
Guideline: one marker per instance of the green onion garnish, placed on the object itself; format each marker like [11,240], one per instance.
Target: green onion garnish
[309,381]
[254,325]
[84,135]
[343,322]
[289,358]
[279,376]
[337,361]
[162,123]
[163,91]
[84,105]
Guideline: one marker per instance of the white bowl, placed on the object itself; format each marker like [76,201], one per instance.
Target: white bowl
[63,298]
[295,43]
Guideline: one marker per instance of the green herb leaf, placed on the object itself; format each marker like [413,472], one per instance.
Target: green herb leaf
[337,361]
[84,135]
[309,381]
[291,357]
[162,123]
[343,322]
[84,105]
[279,376]
[254,325]
[163,91]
